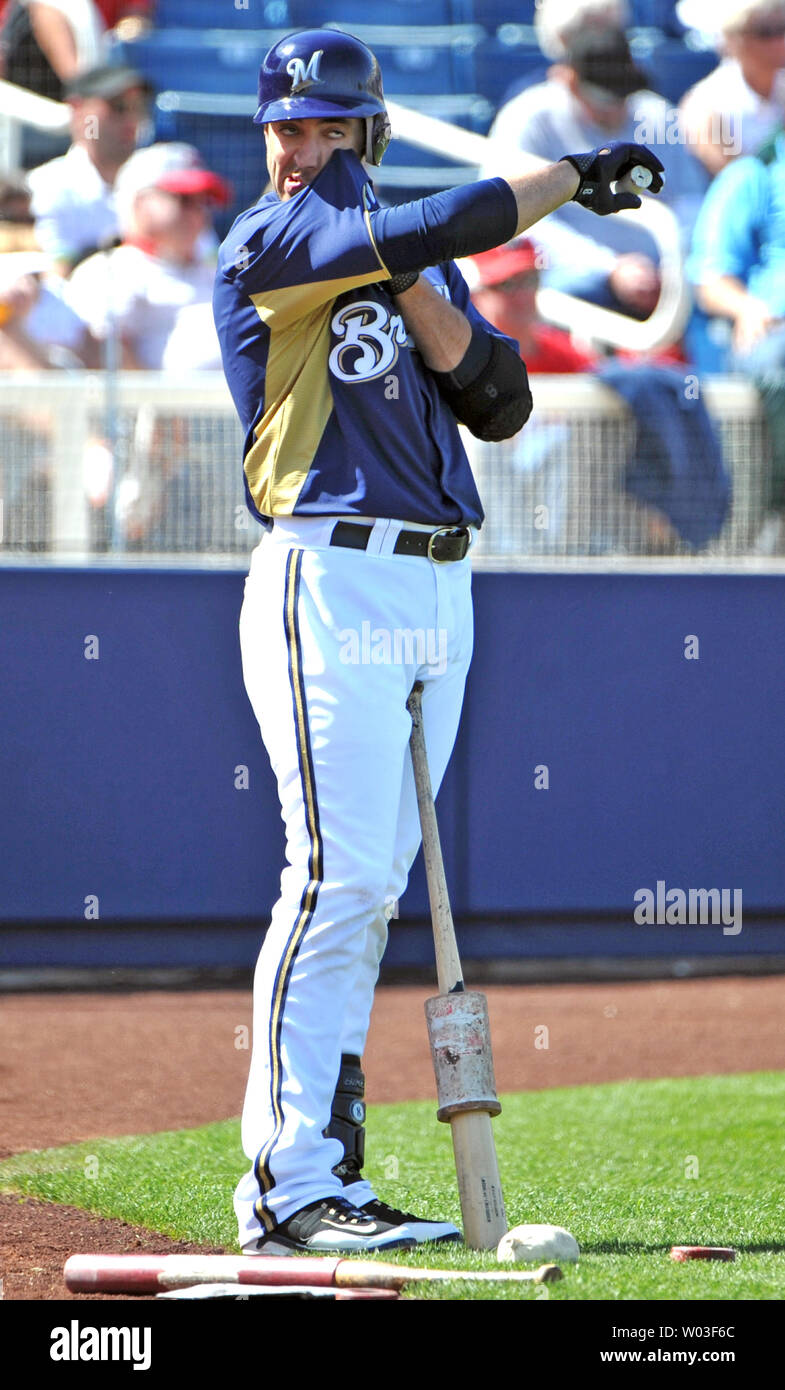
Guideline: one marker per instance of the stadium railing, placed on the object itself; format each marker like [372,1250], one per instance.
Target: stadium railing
[554,495]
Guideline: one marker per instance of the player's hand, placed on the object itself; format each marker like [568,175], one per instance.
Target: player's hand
[601,168]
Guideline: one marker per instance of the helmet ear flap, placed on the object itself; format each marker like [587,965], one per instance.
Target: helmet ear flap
[379,134]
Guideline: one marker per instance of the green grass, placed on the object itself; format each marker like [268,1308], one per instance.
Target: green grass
[629,1168]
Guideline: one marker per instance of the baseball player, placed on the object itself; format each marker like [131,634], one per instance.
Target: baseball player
[352,351]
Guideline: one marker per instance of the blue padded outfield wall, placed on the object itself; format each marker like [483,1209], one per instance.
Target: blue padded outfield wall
[117,775]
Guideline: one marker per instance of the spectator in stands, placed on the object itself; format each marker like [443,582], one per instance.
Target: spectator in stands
[738,106]
[737,263]
[45,44]
[73,195]
[155,289]
[152,298]
[505,283]
[595,94]
[15,199]
[39,329]
[737,267]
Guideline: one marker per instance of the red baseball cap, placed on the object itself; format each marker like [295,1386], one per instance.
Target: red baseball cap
[503,262]
[196,181]
[175,168]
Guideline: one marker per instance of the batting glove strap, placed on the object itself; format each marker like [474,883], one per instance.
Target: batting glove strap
[600,168]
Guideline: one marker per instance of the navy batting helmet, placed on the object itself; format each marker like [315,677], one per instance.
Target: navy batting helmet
[321,73]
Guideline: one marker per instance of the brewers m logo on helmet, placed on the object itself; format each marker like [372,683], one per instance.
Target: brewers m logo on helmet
[304,74]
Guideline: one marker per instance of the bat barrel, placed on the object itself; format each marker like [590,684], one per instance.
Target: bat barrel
[146,1274]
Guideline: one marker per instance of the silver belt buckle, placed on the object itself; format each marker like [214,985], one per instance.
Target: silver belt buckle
[442,531]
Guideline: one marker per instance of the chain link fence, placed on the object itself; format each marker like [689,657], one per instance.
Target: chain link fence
[146,466]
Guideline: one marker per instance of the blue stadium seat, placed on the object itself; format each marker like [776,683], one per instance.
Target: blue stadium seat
[346,13]
[645,14]
[501,70]
[648,14]
[491,14]
[187,61]
[230,14]
[673,68]
[413,68]
[656,14]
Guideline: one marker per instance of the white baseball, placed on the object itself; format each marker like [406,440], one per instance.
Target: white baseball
[536,1245]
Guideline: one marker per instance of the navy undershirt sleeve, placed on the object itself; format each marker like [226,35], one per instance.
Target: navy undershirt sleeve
[459,222]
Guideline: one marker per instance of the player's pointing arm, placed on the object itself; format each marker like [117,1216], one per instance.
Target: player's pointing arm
[587,179]
[476,217]
[484,382]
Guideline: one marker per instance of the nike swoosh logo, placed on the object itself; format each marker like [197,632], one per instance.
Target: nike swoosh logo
[367,1229]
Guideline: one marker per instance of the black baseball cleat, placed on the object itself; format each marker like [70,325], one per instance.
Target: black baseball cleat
[332,1226]
[420,1230]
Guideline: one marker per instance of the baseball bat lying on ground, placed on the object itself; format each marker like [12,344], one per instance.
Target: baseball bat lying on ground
[459,1033]
[144,1274]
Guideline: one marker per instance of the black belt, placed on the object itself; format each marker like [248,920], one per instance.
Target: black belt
[445,544]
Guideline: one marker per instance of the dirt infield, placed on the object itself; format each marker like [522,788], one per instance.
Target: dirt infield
[82,1066]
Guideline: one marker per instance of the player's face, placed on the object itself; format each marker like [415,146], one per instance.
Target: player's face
[298,150]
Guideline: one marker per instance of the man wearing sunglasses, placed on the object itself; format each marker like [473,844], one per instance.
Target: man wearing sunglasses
[73,196]
[740,104]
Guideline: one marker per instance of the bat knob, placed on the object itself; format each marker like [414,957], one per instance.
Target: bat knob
[548,1274]
[637,180]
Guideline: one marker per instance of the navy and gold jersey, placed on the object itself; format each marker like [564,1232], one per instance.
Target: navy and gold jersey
[340,413]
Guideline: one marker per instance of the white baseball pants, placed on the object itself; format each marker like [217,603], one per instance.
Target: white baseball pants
[332,642]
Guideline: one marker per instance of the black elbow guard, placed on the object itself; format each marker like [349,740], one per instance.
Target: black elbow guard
[495,402]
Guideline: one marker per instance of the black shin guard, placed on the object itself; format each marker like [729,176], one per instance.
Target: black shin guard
[347,1120]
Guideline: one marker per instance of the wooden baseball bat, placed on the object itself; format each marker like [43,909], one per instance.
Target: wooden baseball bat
[459,1033]
[146,1274]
